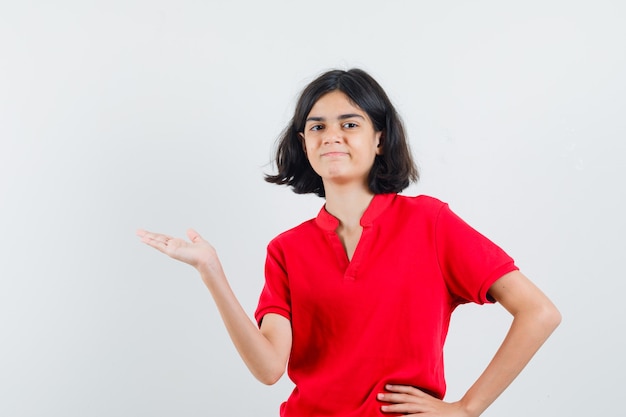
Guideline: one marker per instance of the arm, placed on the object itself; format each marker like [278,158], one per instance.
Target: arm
[265,351]
[534,319]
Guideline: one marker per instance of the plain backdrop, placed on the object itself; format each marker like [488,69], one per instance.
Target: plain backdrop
[116,115]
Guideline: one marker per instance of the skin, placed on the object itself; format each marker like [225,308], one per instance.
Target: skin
[341,144]
[265,351]
[534,319]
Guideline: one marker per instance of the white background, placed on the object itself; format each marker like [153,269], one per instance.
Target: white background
[116,115]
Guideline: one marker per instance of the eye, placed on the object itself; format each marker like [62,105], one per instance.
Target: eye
[315,128]
[350,125]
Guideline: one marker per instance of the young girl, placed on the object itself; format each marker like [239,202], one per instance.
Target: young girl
[357,301]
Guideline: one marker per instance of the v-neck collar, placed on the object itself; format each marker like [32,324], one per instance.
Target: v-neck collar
[329,224]
[379,203]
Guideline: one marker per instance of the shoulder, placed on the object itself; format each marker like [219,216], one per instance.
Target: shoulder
[420,204]
[297,233]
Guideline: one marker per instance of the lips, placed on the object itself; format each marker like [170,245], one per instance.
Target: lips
[334,154]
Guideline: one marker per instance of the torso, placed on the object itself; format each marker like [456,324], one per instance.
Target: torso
[370,305]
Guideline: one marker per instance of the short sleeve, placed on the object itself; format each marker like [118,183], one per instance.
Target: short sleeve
[275,296]
[469,262]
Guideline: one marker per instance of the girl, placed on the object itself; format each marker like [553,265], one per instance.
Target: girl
[357,301]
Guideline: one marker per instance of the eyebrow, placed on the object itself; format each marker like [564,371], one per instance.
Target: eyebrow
[341,117]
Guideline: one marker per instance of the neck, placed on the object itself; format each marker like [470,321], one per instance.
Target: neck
[347,204]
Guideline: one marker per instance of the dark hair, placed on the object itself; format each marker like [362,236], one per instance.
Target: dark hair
[392,171]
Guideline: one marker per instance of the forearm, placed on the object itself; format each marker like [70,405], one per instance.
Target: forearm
[262,358]
[528,332]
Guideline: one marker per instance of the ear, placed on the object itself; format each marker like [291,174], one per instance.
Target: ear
[380,137]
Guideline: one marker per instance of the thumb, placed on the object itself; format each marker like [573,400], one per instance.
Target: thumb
[193,235]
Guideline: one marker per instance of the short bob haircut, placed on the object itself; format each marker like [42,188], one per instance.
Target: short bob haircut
[392,171]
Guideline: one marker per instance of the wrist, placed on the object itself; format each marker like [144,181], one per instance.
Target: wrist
[209,269]
[469,408]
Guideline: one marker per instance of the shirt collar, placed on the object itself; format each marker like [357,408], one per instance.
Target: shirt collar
[379,203]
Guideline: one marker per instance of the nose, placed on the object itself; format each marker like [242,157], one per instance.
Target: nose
[332,134]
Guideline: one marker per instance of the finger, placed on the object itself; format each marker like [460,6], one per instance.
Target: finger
[145,233]
[397,409]
[405,389]
[153,236]
[402,408]
[397,398]
[156,240]
[193,235]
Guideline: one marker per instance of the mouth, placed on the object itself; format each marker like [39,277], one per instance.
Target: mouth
[334,154]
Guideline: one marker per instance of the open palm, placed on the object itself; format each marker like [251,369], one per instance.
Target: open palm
[194,252]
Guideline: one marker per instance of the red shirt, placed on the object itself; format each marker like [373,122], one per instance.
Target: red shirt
[381,317]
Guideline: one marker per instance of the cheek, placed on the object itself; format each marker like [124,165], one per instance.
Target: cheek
[308,150]
[309,145]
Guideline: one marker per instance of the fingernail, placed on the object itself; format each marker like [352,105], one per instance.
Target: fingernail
[381,396]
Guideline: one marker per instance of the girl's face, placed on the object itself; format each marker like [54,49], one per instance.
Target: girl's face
[340,140]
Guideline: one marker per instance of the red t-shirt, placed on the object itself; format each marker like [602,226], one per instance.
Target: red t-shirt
[381,317]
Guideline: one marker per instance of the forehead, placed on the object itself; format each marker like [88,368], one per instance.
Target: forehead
[335,101]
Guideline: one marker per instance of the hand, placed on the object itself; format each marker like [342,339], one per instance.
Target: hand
[197,253]
[408,400]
